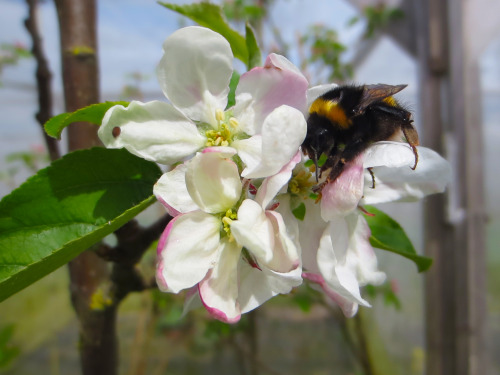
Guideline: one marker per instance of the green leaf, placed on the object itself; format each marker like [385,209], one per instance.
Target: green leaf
[66,208]
[211,16]
[231,97]
[93,114]
[300,211]
[388,235]
[254,56]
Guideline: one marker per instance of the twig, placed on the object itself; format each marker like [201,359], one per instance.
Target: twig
[43,78]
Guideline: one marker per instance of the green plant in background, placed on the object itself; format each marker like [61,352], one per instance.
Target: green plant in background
[8,351]
[11,54]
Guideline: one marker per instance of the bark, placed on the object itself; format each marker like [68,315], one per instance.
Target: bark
[89,274]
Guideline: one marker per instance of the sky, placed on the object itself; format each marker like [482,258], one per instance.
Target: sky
[131,33]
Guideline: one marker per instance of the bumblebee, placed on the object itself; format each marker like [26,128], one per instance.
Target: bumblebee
[345,121]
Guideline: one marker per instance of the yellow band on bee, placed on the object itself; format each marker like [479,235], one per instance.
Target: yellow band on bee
[391,101]
[331,110]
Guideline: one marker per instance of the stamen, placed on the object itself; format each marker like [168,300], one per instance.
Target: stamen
[226,223]
[219,115]
[301,183]
[234,122]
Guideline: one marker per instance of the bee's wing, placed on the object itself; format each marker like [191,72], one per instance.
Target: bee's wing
[375,93]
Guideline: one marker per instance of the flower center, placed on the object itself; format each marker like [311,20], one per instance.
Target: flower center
[227,219]
[301,183]
[227,127]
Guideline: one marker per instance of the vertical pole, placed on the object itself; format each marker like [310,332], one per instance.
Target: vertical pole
[454,224]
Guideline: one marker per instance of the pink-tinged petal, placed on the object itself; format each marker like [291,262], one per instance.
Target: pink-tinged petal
[254,231]
[342,196]
[257,286]
[277,83]
[401,183]
[315,92]
[219,289]
[195,70]
[272,185]
[223,151]
[172,192]
[348,308]
[160,280]
[154,131]
[187,250]
[282,134]
[213,182]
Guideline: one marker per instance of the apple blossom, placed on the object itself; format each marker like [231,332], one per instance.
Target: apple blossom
[333,234]
[235,251]
[265,127]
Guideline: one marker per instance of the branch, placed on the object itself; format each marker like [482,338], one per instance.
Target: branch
[43,78]
[133,241]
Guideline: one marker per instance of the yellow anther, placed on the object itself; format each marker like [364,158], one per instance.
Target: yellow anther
[233,122]
[227,220]
[219,115]
[301,183]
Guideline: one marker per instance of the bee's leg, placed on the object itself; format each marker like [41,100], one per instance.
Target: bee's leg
[317,188]
[370,170]
[411,136]
[316,170]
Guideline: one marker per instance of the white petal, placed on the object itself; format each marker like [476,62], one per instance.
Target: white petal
[219,289]
[361,254]
[213,182]
[264,234]
[282,134]
[254,231]
[397,181]
[311,230]
[291,222]
[333,262]
[285,254]
[249,151]
[277,83]
[195,70]
[257,286]
[389,154]
[172,192]
[271,186]
[187,250]
[155,131]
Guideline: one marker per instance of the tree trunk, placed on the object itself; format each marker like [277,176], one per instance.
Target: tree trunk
[89,274]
